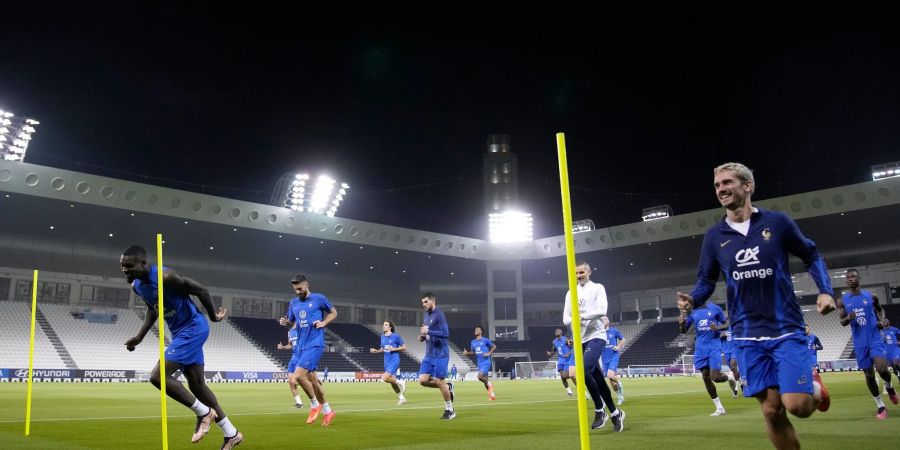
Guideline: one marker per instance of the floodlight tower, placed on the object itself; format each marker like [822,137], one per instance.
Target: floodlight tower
[507,223]
[15,135]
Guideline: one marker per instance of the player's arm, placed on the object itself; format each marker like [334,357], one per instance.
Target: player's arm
[818,344]
[401,348]
[620,344]
[684,323]
[567,310]
[438,327]
[466,352]
[842,313]
[805,249]
[179,283]
[376,350]
[287,346]
[328,318]
[879,311]
[149,320]
[491,351]
[597,305]
[707,275]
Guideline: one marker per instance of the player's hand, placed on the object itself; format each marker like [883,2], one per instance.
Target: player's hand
[421,338]
[423,329]
[319,324]
[713,327]
[372,350]
[280,346]
[132,343]
[548,353]
[685,302]
[681,319]
[825,304]
[220,314]
[283,321]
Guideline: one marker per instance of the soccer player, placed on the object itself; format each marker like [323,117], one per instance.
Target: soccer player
[592,305]
[570,360]
[310,312]
[483,348]
[391,345]
[614,343]
[814,345]
[889,335]
[562,366]
[435,334]
[730,356]
[750,246]
[189,331]
[860,309]
[292,365]
[453,372]
[707,320]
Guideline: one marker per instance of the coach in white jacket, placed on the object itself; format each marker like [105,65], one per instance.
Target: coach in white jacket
[592,305]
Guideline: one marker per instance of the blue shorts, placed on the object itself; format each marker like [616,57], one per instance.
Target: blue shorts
[562,365]
[728,357]
[392,368]
[708,357]
[186,347]
[436,367]
[485,367]
[293,364]
[893,354]
[865,354]
[611,360]
[593,351]
[780,363]
[309,358]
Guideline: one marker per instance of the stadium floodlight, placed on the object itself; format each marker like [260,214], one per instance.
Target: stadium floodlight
[656,212]
[888,170]
[15,135]
[319,197]
[510,226]
[583,225]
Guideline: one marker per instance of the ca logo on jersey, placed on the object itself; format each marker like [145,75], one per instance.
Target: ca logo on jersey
[747,257]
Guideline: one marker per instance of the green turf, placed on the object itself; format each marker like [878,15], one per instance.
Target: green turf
[528,414]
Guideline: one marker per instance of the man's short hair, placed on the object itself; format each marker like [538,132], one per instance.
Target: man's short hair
[300,277]
[429,296]
[743,173]
[137,252]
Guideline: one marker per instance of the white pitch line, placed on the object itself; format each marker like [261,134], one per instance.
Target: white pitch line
[342,411]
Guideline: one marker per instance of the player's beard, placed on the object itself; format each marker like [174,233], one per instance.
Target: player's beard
[303,295]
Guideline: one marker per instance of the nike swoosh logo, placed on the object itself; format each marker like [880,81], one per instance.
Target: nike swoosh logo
[724,243]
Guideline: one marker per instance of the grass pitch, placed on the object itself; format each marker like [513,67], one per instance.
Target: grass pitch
[527,414]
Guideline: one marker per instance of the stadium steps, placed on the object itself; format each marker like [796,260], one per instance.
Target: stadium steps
[64,354]
[848,352]
[256,345]
[654,346]
[334,339]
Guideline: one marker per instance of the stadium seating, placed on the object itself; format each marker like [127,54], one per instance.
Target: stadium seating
[15,329]
[416,349]
[653,346]
[833,336]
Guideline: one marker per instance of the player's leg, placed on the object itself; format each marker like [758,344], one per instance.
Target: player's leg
[389,379]
[174,389]
[801,389]
[778,426]
[197,384]
[881,366]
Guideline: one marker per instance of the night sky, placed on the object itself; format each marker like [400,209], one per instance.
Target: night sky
[224,101]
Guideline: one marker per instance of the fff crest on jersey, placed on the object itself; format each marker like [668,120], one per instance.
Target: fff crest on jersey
[302,314]
[766,234]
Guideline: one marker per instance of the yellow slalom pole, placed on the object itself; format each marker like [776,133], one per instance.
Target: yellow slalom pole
[576,316]
[162,342]
[34,289]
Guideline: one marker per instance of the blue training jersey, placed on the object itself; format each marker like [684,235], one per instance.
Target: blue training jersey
[306,312]
[703,318]
[813,343]
[292,338]
[436,345]
[180,312]
[613,336]
[727,339]
[481,346]
[889,336]
[864,326]
[395,341]
[559,345]
[761,299]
